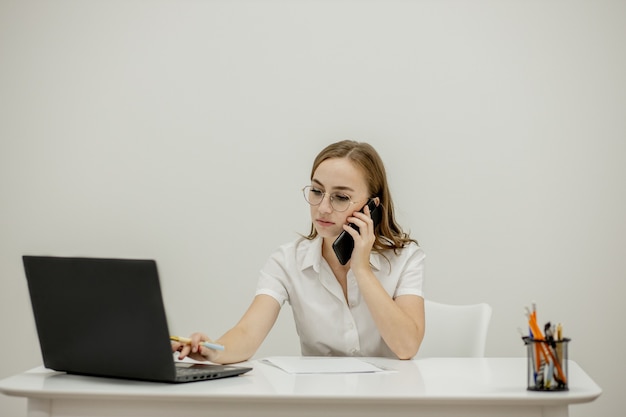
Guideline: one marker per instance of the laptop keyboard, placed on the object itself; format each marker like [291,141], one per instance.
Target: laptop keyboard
[195,373]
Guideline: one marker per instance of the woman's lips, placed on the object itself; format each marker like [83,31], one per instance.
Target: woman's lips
[324,223]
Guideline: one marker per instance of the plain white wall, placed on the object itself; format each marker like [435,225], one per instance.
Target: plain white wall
[183,131]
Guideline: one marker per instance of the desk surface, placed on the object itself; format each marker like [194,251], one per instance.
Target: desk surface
[422,381]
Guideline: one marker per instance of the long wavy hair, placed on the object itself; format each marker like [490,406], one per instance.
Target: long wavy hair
[389,234]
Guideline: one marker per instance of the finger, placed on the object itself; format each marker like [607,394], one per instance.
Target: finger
[365,216]
[202,350]
[184,351]
[351,231]
[362,221]
[202,354]
[196,338]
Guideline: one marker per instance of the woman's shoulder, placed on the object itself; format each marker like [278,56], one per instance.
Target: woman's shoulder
[410,250]
[297,244]
[296,255]
[299,249]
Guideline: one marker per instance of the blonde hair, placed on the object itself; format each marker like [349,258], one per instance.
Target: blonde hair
[389,234]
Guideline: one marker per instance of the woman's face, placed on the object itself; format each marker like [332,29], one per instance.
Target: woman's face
[340,178]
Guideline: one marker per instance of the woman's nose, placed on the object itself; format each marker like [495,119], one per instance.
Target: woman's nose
[325,205]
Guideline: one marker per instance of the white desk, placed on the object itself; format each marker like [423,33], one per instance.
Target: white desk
[424,387]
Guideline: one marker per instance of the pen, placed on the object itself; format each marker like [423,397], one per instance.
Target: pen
[544,349]
[532,316]
[187,341]
[559,346]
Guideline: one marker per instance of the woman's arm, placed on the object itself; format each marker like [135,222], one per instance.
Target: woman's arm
[242,341]
[400,321]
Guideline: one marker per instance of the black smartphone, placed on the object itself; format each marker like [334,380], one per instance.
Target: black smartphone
[344,244]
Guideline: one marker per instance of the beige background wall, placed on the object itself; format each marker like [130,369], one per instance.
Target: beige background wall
[183,131]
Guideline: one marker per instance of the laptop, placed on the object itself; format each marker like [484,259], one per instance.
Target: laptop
[105,317]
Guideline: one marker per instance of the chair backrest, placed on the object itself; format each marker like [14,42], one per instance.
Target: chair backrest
[455,330]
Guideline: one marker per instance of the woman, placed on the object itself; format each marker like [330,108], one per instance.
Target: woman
[371,306]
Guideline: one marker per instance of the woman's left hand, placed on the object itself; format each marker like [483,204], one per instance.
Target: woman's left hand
[363,239]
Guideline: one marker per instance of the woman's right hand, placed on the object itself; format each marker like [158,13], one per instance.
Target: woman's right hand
[194,349]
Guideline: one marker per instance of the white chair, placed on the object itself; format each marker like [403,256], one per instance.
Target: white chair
[455,330]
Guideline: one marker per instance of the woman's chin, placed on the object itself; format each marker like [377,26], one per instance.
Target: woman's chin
[327,234]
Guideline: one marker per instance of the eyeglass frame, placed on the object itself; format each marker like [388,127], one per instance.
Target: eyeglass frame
[330,196]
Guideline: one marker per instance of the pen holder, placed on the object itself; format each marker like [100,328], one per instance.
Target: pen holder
[547,364]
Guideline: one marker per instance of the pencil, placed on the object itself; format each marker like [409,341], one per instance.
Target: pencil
[187,341]
[544,349]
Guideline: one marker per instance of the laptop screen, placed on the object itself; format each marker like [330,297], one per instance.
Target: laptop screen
[100,316]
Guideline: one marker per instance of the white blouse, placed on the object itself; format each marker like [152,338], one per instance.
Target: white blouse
[328,325]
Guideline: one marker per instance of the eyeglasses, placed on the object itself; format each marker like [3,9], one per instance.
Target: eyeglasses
[314,196]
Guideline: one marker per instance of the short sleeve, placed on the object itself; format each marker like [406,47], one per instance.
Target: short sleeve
[411,264]
[273,278]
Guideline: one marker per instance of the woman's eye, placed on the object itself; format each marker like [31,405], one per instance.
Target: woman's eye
[316,192]
[341,197]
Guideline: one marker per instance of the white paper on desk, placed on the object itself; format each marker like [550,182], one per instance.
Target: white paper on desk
[321,365]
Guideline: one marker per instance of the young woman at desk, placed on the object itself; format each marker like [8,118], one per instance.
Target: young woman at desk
[371,306]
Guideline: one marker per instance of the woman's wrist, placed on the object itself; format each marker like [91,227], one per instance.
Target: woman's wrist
[362,272]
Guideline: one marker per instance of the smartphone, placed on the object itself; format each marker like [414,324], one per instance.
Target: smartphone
[344,244]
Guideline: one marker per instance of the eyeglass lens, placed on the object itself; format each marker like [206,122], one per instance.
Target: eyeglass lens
[315,197]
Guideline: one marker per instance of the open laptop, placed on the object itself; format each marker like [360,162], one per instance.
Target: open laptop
[105,317]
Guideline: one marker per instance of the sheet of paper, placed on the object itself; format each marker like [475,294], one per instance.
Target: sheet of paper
[321,365]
